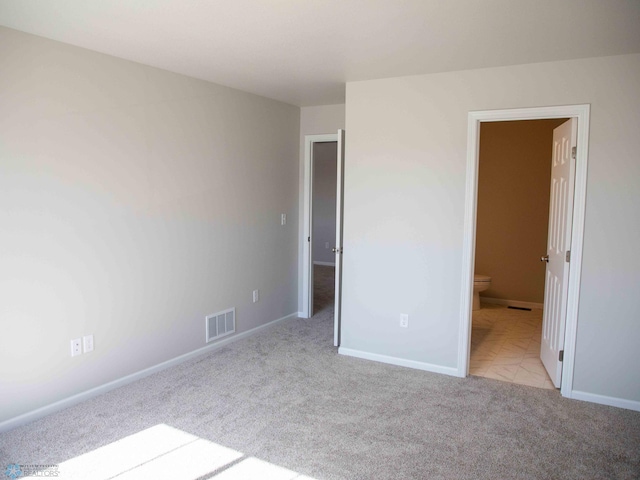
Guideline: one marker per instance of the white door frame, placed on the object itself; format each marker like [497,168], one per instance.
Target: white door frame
[307,237]
[581,112]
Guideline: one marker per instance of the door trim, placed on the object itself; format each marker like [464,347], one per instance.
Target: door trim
[307,246]
[581,112]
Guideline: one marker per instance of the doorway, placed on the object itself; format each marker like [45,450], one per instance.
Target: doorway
[514,174]
[323,228]
[581,114]
[308,239]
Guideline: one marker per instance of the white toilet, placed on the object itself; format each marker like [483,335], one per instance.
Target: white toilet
[480,284]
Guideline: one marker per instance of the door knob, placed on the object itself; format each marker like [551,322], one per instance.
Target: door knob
[544,258]
[334,250]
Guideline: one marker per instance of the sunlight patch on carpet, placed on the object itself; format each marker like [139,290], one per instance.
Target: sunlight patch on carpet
[163,452]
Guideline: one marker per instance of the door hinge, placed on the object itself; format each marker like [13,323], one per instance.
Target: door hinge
[574,150]
[308,239]
[567,256]
[561,356]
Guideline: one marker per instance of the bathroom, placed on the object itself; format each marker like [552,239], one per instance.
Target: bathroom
[514,177]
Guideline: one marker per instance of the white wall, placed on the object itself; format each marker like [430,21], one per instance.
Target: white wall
[133,202]
[313,121]
[325,177]
[404,195]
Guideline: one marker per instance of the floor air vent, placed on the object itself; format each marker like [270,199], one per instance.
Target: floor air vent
[220,324]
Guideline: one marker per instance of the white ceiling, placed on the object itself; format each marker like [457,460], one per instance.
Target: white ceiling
[303,51]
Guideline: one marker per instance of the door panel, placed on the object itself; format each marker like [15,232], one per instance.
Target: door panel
[338,247]
[558,243]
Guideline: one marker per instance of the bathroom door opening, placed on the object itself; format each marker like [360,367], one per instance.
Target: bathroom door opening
[581,114]
[514,175]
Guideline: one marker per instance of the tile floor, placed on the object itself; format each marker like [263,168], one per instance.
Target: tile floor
[505,345]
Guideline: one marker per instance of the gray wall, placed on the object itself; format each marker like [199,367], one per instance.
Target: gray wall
[133,202]
[405,193]
[324,201]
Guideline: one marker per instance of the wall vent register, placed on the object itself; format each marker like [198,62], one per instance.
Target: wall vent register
[220,324]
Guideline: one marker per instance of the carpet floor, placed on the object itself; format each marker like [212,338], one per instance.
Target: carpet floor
[284,404]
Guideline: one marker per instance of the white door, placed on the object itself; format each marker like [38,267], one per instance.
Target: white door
[558,244]
[338,248]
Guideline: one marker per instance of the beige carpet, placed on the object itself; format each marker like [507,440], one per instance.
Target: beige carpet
[283,404]
[323,290]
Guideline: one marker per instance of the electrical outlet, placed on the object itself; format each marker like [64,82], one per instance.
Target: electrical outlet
[76,347]
[404,320]
[256,295]
[283,219]
[87,343]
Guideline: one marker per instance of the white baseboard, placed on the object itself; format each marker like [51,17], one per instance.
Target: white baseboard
[429,367]
[604,400]
[99,390]
[511,303]
[326,264]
